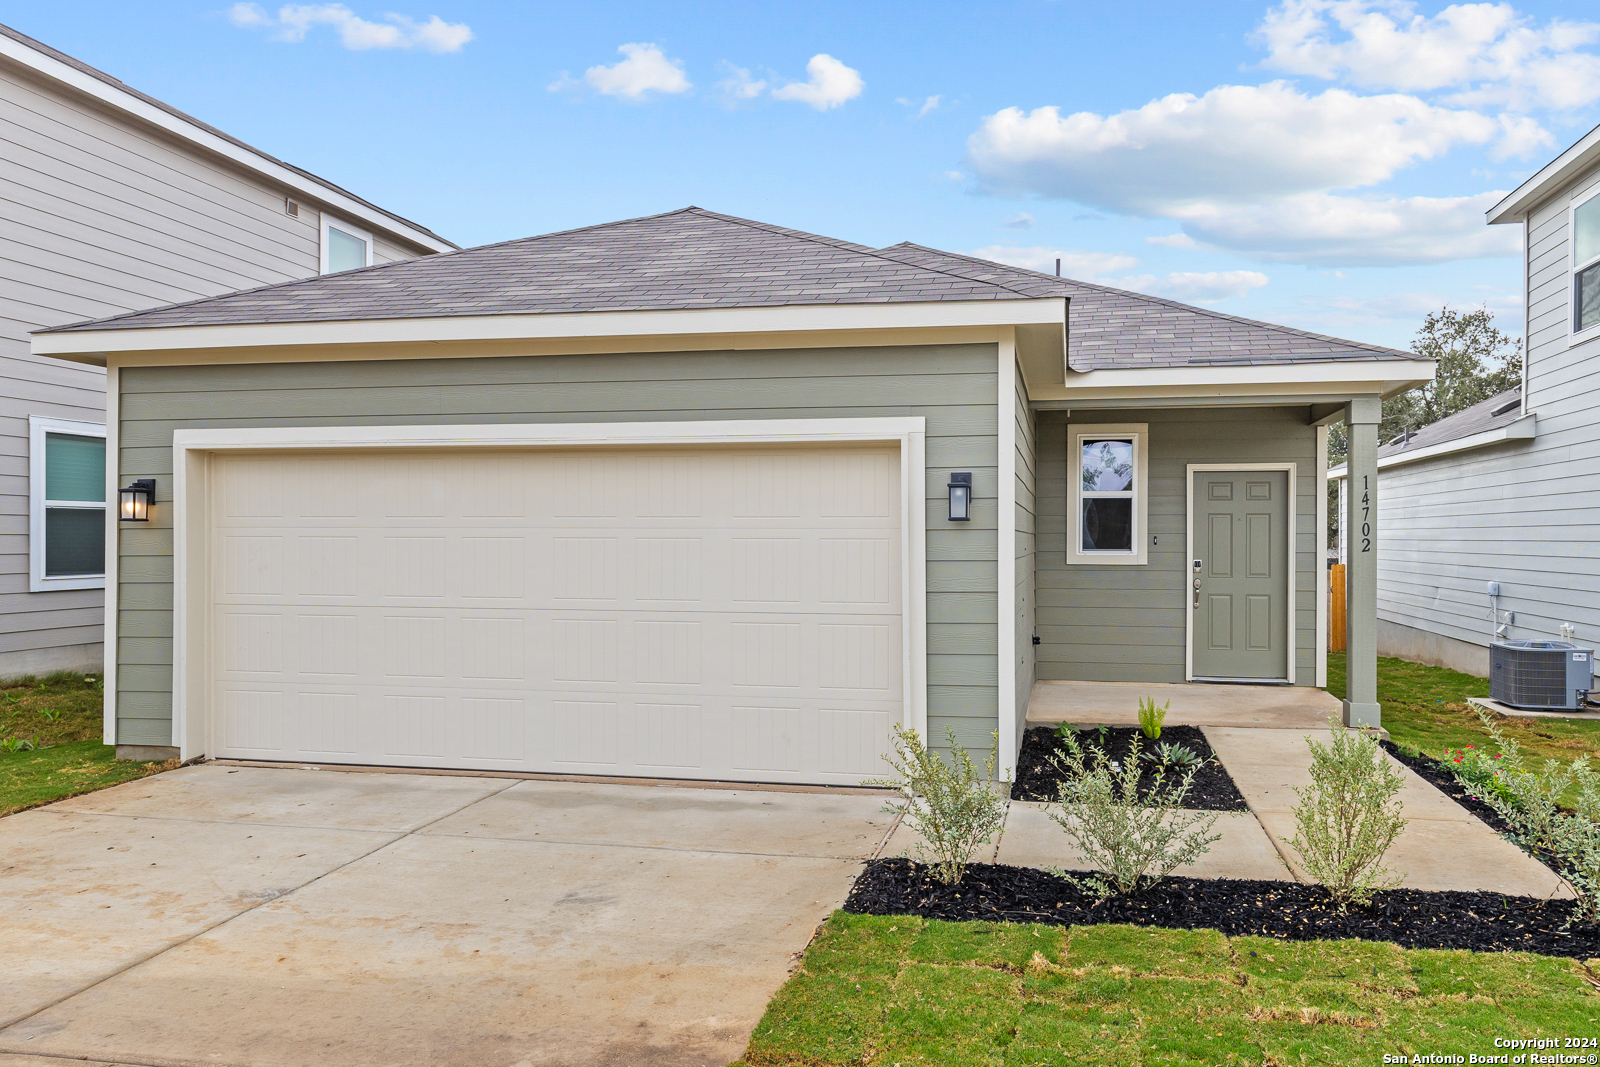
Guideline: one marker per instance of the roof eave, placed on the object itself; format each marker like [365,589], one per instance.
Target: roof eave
[93,346]
[1525,197]
[1520,429]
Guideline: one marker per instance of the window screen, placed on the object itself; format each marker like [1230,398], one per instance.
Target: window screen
[75,501]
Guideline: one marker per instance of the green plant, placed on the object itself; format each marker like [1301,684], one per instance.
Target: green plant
[1128,838]
[17,744]
[1472,764]
[954,806]
[50,714]
[1348,817]
[1151,717]
[13,698]
[1529,800]
[1170,754]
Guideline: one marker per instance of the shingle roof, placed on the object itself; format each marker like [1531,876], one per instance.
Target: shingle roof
[116,83]
[1116,329]
[1464,423]
[693,258]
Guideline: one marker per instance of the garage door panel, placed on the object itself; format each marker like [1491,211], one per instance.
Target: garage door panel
[709,614]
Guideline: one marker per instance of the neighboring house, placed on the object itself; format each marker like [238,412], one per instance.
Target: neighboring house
[693,496]
[1508,491]
[111,201]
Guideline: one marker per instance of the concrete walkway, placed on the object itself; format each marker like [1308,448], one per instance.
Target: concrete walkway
[282,917]
[1283,707]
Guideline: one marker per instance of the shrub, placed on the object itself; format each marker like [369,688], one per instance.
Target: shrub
[1151,717]
[953,806]
[1171,755]
[1347,818]
[1128,838]
[1472,764]
[1529,800]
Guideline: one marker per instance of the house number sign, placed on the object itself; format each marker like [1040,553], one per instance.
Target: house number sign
[1366,510]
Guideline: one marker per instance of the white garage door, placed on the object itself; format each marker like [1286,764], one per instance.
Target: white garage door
[707,613]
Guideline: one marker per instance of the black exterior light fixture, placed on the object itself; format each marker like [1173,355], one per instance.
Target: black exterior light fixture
[136,498]
[960,496]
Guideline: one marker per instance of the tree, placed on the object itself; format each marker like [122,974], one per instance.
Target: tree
[1474,361]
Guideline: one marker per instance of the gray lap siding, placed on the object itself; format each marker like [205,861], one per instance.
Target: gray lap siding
[954,387]
[1126,623]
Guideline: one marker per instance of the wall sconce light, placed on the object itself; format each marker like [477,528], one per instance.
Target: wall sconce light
[136,498]
[960,496]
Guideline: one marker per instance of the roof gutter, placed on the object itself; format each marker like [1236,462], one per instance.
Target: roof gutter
[1522,429]
[250,159]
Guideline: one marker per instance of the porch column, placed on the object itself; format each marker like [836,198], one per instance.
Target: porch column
[1361,570]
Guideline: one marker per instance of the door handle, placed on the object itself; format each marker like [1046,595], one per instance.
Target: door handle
[1197,592]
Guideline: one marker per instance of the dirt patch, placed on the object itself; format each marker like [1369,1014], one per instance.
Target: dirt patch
[1038,777]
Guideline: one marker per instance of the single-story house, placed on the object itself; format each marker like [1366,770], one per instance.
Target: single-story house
[693,496]
[1501,492]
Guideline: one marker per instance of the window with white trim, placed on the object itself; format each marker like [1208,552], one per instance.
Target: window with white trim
[1586,264]
[66,504]
[1109,493]
[344,247]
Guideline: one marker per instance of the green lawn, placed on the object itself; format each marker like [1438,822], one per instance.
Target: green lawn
[59,715]
[901,990]
[1425,708]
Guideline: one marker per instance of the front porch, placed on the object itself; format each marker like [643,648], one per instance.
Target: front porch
[1271,707]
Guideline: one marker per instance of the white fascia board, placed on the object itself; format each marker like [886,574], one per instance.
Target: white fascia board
[559,325]
[1520,430]
[1554,174]
[1385,376]
[146,112]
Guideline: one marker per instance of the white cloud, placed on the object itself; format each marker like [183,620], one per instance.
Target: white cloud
[955,175]
[1172,240]
[829,85]
[740,84]
[1021,222]
[928,105]
[1207,287]
[1074,264]
[1327,230]
[1487,52]
[643,70]
[294,21]
[1237,143]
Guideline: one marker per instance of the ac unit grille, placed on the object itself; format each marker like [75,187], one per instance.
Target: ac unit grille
[1546,674]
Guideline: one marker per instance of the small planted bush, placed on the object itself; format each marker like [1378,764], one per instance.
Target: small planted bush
[954,806]
[1348,817]
[1151,717]
[1174,756]
[1130,839]
[1528,799]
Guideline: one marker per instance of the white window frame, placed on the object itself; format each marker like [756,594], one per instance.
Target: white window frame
[1139,433]
[1575,335]
[353,231]
[38,426]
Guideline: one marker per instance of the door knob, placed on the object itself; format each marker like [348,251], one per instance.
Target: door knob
[1197,592]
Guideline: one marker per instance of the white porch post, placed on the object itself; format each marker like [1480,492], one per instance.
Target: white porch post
[1362,415]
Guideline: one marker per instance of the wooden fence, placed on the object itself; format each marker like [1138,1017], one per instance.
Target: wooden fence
[1336,608]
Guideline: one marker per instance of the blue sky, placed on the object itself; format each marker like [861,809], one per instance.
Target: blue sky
[1318,163]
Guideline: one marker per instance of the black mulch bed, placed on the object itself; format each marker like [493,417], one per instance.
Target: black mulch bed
[1411,918]
[1438,774]
[1213,789]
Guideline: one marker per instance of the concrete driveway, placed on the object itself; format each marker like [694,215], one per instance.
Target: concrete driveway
[238,915]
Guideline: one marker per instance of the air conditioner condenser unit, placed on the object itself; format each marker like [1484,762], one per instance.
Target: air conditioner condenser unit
[1549,675]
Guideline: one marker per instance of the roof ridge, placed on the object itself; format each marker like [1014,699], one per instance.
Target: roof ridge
[1165,301]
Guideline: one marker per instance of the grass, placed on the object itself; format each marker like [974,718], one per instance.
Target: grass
[902,990]
[1425,708]
[59,715]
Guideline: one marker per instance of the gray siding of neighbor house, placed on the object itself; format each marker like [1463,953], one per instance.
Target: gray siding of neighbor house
[1026,553]
[1126,623]
[952,386]
[99,217]
[1524,513]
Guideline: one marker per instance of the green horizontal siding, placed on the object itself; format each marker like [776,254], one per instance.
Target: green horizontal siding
[954,387]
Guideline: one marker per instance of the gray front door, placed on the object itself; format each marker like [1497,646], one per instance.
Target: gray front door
[1239,576]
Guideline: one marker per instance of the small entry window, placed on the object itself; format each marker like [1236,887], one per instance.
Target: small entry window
[1108,494]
